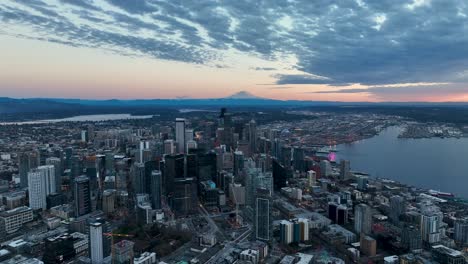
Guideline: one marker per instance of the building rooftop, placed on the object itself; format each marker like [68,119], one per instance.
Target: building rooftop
[15,211]
[446,250]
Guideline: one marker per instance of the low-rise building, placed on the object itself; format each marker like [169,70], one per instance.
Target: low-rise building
[12,220]
[145,258]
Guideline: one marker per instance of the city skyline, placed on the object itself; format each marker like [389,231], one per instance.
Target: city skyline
[287,50]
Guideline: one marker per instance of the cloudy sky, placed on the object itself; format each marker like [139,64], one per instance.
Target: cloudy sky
[361,50]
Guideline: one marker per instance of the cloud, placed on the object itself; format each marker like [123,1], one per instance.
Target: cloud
[373,42]
[345,91]
[300,79]
[281,87]
[435,91]
[263,69]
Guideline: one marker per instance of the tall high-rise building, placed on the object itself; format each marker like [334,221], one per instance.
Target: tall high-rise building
[263,219]
[368,245]
[174,167]
[342,215]
[254,180]
[238,163]
[48,176]
[206,166]
[156,189]
[82,196]
[296,230]
[96,248]
[23,166]
[345,169]
[76,166]
[253,136]
[311,178]
[298,159]
[68,157]
[27,161]
[37,190]
[138,178]
[123,252]
[188,135]
[397,208]
[411,238]
[286,156]
[179,183]
[109,162]
[363,219]
[280,175]
[150,166]
[461,231]
[57,163]
[286,232]
[169,147]
[191,144]
[42,183]
[362,182]
[430,226]
[325,168]
[144,145]
[90,132]
[180,134]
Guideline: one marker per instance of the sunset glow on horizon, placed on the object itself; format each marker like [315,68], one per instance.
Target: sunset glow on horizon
[294,50]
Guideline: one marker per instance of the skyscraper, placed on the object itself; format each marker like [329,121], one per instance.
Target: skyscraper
[48,176]
[397,208]
[180,134]
[23,166]
[174,167]
[150,166]
[411,238]
[95,243]
[123,252]
[109,162]
[144,145]
[430,226]
[311,178]
[169,146]
[238,163]
[325,168]
[461,231]
[82,196]
[345,169]
[27,161]
[76,166]
[255,179]
[138,178]
[188,134]
[298,159]
[57,163]
[42,183]
[286,232]
[156,189]
[363,219]
[262,219]
[180,185]
[253,136]
[280,175]
[206,166]
[37,190]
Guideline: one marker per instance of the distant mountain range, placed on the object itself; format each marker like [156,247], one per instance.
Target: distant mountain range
[239,99]
[244,95]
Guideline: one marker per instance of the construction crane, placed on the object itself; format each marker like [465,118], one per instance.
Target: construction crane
[237,209]
[112,235]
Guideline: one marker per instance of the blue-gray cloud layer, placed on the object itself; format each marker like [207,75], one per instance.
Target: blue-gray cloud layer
[336,42]
[434,91]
